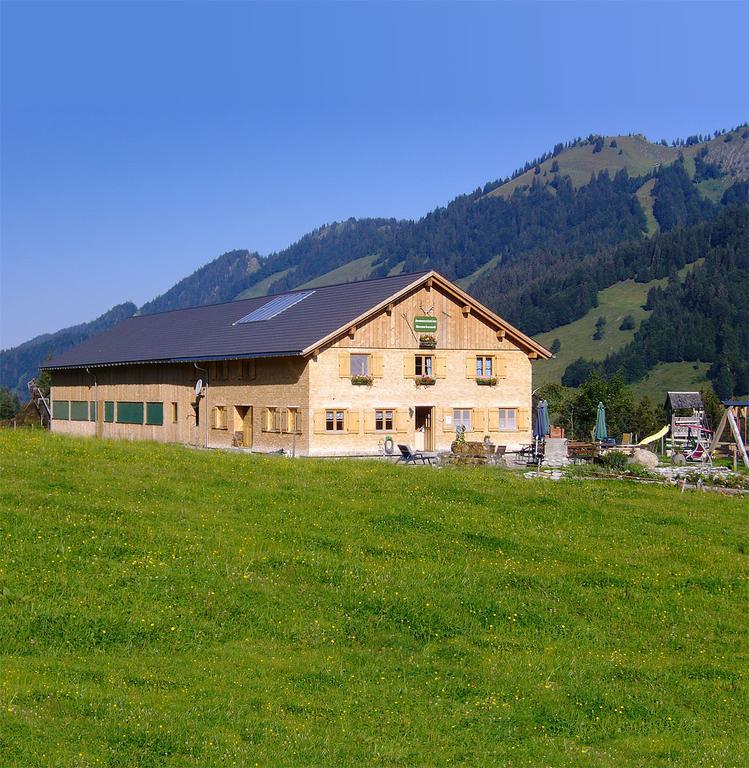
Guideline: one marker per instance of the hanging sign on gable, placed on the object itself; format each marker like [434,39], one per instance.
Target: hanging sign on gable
[425,324]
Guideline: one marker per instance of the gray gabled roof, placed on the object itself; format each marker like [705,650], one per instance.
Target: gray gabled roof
[213,331]
[678,400]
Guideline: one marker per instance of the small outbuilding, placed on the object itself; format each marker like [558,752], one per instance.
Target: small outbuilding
[686,414]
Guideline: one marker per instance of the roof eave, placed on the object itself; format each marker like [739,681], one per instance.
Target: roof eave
[170,360]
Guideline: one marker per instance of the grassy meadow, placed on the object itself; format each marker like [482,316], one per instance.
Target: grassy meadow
[615,303]
[162,606]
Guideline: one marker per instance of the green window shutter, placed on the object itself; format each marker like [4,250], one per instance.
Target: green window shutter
[109,411]
[155,413]
[61,410]
[92,411]
[129,413]
[79,410]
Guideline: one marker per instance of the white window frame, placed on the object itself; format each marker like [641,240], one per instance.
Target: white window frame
[459,419]
[427,364]
[360,358]
[383,419]
[508,419]
[339,417]
[484,367]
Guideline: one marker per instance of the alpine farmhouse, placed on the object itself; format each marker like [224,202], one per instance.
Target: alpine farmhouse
[329,371]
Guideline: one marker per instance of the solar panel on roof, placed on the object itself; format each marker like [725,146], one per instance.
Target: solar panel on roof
[274,307]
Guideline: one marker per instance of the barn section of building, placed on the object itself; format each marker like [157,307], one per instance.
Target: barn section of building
[325,371]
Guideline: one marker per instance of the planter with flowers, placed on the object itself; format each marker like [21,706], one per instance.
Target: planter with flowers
[427,341]
[486,381]
[425,381]
[361,380]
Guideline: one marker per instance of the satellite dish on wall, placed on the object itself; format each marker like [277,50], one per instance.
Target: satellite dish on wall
[198,387]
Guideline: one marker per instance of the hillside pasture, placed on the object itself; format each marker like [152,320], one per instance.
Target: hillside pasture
[638,156]
[615,303]
[164,606]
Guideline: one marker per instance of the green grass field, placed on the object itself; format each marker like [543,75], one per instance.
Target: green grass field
[162,606]
[262,287]
[358,269]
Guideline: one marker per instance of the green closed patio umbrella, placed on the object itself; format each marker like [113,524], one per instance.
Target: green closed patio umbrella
[601,431]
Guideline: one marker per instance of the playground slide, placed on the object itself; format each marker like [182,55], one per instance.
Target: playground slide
[657,436]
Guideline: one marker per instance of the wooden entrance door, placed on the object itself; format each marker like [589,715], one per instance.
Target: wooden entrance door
[424,440]
[243,425]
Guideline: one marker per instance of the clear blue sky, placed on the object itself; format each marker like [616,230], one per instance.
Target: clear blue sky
[140,140]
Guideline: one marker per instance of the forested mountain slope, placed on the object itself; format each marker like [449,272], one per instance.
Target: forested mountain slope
[21,363]
[538,247]
[217,281]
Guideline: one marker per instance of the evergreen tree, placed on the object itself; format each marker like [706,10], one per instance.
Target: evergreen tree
[600,326]
[9,404]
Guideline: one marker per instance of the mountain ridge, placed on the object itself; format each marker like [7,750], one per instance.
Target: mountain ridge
[495,241]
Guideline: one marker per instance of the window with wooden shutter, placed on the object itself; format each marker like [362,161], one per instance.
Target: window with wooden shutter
[384,420]
[523,419]
[493,421]
[478,419]
[471,367]
[271,420]
[401,420]
[335,420]
[507,419]
[352,422]
[218,419]
[370,425]
[462,418]
[485,368]
[424,365]
[440,367]
[318,422]
[344,365]
[293,423]
[359,365]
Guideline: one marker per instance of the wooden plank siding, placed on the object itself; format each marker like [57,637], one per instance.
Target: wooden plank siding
[394,329]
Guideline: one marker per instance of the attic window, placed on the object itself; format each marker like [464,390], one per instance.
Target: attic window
[274,307]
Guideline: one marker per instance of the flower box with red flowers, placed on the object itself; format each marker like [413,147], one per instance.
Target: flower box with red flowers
[425,381]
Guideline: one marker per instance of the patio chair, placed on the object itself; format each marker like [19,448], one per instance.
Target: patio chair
[410,457]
